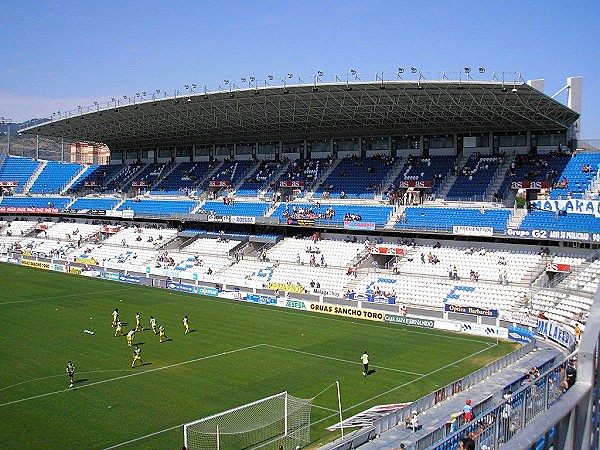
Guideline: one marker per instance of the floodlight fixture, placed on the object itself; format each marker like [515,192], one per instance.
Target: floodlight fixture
[290,75]
[353,72]
[482,70]
[252,79]
[400,69]
[243,80]
[226,81]
[270,77]
[467,70]
[319,73]
[413,69]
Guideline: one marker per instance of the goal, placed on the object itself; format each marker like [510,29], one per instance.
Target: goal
[280,419]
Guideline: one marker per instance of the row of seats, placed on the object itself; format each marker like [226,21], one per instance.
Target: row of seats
[417,217]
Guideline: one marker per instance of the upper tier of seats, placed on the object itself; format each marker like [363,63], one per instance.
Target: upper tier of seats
[97,179]
[356,177]
[185,177]
[19,170]
[434,169]
[445,218]
[304,171]
[535,168]
[259,179]
[474,178]
[577,177]
[53,177]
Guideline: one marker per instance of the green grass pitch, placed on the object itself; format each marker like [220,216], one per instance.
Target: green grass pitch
[237,353]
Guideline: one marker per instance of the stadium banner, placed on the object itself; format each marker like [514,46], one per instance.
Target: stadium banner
[556,332]
[405,320]
[291,184]
[9,183]
[530,185]
[577,236]
[181,287]
[76,270]
[573,206]
[414,184]
[205,290]
[26,252]
[57,267]
[385,250]
[243,219]
[474,310]
[262,299]
[483,330]
[520,335]
[372,298]
[81,260]
[218,218]
[110,229]
[36,264]
[19,209]
[356,225]
[140,183]
[287,287]
[346,311]
[294,304]
[472,231]
[115,213]
[126,213]
[554,267]
[522,318]
[120,277]
[301,222]
[90,183]
[219,183]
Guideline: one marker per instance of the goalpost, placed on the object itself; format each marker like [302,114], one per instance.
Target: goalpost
[280,419]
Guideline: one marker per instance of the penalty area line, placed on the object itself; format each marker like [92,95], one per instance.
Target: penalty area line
[343,360]
[121,444]
[170,366]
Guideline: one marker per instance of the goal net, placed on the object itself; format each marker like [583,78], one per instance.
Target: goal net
[264,424]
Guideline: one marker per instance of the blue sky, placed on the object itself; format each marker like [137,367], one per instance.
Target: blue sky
[55,55]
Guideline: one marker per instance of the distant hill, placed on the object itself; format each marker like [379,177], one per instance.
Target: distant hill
[14,127]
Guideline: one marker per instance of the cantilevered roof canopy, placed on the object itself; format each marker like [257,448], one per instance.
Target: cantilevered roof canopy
[313,111]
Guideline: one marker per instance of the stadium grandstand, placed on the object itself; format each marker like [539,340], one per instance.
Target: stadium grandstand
[457,204]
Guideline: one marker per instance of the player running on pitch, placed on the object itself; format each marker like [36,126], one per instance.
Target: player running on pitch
[138,322]
[118,329]
[137,356]
[365,360]
[70,372]
[115,316]
[186,325]
[153,324]
[161,334]
[130,338]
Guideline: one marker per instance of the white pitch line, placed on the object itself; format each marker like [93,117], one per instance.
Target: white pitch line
[143,437]
[62,375]
[79,294]
[342,360]
[131,375]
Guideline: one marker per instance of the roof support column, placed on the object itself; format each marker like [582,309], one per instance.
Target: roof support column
[491,142]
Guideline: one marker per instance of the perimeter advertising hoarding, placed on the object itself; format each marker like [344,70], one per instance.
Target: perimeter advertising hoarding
[405,320]
[356,225]
[578,236]
[36,264]
[529,184]
[346,311]
[520,335]
[472,231]
[474,310]
[484,330]
[19,209]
